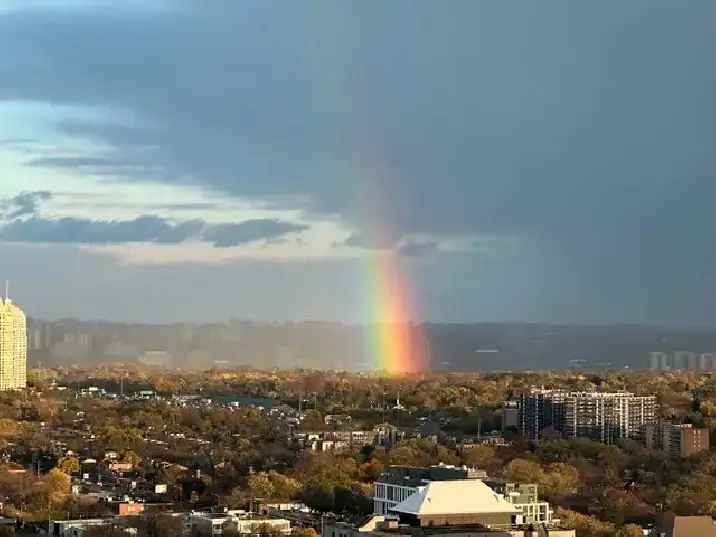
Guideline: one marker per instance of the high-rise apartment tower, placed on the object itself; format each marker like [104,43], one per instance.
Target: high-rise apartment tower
[602,416]
[13,346]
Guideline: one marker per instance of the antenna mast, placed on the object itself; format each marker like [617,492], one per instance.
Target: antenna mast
[7,289]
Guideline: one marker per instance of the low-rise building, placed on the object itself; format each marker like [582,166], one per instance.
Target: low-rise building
[454,508]
[78,528]
[239,522]
[525,497]
[397,483]
[464,502]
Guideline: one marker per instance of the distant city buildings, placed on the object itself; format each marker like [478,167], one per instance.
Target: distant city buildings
[664,361]
[602,416]
[13,346]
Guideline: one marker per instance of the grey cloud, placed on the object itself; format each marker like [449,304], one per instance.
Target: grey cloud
[24,204]
[226,235]
[418,248]
[146,228]
[376,241]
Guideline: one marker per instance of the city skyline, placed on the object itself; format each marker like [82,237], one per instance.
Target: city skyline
[484,162]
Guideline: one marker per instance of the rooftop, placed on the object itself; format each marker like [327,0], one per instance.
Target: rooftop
[458,497]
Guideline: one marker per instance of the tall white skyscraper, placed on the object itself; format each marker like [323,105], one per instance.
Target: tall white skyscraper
[13,346]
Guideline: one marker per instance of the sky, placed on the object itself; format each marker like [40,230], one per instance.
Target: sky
[518,161]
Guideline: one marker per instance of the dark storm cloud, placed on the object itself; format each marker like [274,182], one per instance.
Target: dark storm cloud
[24,204]
[586,129]
[146,228]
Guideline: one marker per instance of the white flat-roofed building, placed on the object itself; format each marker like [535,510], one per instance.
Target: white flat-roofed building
[449,503]
[397,483]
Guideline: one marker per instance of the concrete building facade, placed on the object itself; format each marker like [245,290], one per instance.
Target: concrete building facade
[602,416]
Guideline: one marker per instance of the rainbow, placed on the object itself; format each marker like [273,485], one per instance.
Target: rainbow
[395,344]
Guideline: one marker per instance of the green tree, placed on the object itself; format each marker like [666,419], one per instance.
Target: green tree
[69,465]
[630,530]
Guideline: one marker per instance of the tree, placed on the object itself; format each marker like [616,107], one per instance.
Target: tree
[319,495]
[284,487]
[585,525]
[313,421]
[69,465]
[165,524]
[131,457]
[8,427]
[58,484]
[630,530]
[559,478]
[122,438]
[260,486]
[480,456]
[524,471]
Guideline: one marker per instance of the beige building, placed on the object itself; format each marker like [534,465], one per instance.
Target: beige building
[13,346]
